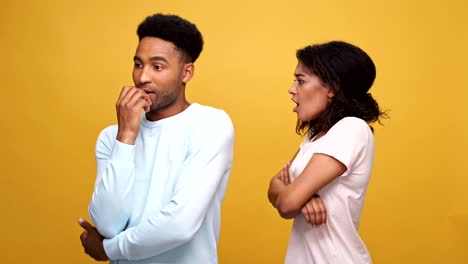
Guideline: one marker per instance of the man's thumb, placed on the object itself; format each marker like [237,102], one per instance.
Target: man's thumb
[85,224]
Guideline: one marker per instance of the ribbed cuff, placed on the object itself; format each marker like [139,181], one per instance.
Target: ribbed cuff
[123,152]
[111,246]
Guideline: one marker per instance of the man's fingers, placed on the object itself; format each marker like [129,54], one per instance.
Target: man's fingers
[148,104]
[83,237]
[85,224]
[123,93]
[137,96]
[127,99]
[131,97]
[138,99]
[145,103]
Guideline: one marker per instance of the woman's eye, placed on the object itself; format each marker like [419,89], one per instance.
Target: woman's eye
[299,81]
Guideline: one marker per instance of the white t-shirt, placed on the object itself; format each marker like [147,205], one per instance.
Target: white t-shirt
[351,142]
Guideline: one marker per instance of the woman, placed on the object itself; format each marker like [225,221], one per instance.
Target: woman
[324,187]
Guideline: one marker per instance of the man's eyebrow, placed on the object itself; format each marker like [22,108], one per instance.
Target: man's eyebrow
[154,58]
[299,75]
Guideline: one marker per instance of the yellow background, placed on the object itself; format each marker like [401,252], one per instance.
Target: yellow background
[64,62]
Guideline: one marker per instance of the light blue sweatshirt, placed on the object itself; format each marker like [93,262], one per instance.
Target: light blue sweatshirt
[159,201]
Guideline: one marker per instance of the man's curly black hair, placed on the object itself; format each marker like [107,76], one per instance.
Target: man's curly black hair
[182,33]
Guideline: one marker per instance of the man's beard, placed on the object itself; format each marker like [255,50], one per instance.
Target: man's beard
[164,102]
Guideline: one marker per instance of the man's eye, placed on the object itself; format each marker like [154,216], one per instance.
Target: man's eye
[137,65]
[157,67]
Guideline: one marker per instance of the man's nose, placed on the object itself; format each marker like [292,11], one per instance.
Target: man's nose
[143,76]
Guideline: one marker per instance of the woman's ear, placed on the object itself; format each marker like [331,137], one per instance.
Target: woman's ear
[330,94]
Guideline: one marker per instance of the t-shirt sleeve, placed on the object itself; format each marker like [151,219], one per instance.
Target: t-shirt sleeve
[345,141]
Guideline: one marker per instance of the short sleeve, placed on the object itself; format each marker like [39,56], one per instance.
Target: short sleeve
[345,141]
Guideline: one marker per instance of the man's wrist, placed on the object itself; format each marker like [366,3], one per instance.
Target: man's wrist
[126,138]
[111,247]
[104,256]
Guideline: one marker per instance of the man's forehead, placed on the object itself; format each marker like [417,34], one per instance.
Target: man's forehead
[151,46]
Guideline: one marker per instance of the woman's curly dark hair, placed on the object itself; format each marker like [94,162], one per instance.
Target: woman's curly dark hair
[182,33]
[350,73]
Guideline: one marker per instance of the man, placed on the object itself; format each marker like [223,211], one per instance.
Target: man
[162,175]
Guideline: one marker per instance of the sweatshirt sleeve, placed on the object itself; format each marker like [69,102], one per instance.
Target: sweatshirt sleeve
[207,166]
[111,201]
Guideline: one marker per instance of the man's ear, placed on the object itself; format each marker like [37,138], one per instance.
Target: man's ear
[188,72]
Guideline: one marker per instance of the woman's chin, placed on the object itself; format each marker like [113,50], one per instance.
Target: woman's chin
[303,118]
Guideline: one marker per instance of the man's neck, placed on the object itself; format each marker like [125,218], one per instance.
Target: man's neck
[169,111]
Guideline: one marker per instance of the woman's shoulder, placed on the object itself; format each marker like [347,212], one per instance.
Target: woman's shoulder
[352,123]
[350,128]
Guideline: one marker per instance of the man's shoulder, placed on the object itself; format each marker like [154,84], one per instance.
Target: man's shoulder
[109,131]
[108,134]
[210,114]
[209,122]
